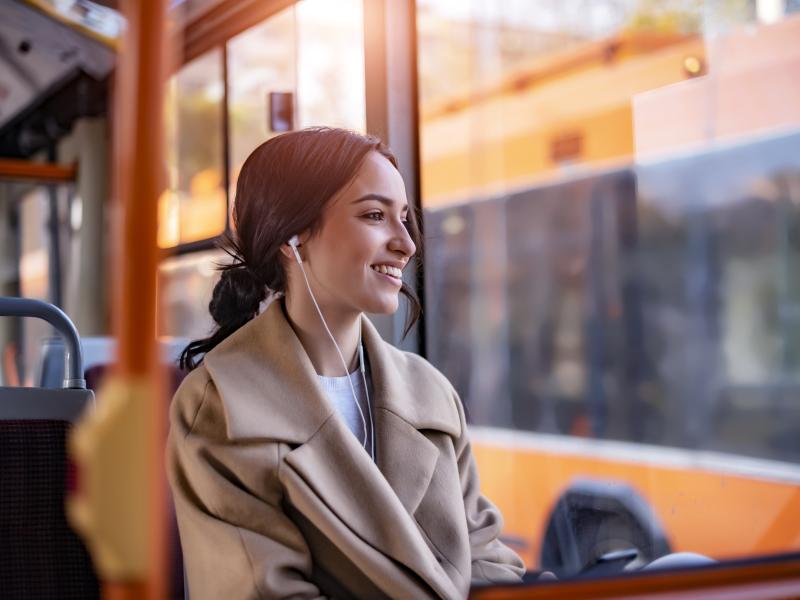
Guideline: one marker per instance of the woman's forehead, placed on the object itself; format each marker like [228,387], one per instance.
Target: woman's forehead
[375,176]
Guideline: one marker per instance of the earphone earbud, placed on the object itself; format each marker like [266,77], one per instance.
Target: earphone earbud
[294,241]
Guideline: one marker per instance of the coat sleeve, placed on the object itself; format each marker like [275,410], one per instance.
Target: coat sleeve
[492,561]
[237,542]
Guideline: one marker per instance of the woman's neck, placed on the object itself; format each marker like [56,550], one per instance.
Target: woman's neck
[304,319]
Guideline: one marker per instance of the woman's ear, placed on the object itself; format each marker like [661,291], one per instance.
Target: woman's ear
[286,247]
[287,251]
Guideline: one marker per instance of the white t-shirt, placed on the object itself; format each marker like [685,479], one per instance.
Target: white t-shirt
[340,394]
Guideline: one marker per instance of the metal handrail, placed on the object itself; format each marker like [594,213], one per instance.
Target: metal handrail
[73,358]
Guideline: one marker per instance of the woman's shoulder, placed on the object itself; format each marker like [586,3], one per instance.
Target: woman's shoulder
[422,370]
[193,386]
[194,395]
[428,396]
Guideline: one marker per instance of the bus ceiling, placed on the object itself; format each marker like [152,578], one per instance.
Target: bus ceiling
[53,70]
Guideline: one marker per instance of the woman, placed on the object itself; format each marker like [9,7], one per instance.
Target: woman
[308,457]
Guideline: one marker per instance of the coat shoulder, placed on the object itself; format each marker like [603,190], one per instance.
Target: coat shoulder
[419,368]
[433,401]
[195,402]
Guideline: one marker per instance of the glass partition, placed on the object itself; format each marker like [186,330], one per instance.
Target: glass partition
[611,195]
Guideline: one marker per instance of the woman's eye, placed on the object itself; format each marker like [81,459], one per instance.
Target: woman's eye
[378,217]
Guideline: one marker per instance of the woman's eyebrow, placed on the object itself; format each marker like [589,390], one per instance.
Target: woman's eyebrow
[380,198]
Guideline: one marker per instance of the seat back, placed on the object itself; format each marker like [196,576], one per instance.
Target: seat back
[593,518]
[48,559]
[40,555]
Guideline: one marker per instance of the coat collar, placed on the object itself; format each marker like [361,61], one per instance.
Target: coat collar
[269,388]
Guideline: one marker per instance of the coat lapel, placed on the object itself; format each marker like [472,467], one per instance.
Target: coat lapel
[332,476]
[269,390]
[406,403]
[267,383]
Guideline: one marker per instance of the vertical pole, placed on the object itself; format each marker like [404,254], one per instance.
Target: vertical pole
[139,178]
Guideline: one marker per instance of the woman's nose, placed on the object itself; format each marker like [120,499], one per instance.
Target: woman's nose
[401,242]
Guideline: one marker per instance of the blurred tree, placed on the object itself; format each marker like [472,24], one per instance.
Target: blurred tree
[668,16]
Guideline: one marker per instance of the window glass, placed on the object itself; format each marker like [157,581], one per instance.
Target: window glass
[194,206]
[185,284]
[261,60]
[29,270]
[612,201]
[331,64]
[34,275]
[312,50]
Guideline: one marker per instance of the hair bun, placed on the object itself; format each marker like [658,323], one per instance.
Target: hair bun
[236,296]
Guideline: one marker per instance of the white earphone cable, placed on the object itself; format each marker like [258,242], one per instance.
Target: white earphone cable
[339,352]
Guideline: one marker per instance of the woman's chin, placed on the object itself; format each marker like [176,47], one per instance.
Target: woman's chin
[383,306]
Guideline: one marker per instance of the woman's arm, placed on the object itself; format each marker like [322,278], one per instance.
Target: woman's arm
[237,541]
[492,561]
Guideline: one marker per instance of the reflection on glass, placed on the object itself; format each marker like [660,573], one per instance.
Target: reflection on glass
[194,206]
[612,241]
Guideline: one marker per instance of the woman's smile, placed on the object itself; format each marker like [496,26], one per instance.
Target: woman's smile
[388,273]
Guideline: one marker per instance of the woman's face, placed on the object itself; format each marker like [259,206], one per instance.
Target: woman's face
[363,233]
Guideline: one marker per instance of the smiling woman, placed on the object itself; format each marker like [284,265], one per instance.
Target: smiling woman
[370,213]
[267,444]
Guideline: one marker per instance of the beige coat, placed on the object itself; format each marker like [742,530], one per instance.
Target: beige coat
[275,497]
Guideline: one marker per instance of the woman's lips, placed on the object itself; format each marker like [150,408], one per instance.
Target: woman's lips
[394,280]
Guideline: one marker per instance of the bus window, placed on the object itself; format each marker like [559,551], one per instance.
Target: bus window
[37,264]
[330,70]
[185,284]
[194,206]
[610,196]
[34,271]
[313,50]
[261,60]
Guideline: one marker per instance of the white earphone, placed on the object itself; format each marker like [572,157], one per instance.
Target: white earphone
[294,241]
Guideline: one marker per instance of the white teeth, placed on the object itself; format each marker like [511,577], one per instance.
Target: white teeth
[388,270]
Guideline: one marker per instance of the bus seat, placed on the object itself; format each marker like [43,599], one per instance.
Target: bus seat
[42,557]
[593,518]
